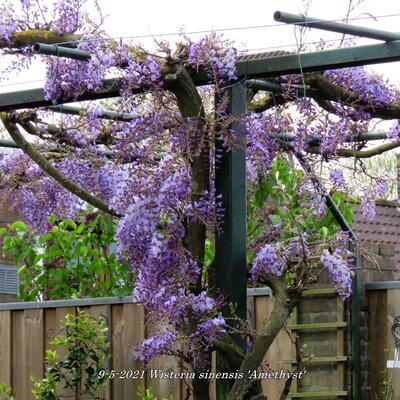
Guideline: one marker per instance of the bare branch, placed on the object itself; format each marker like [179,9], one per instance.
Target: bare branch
[31,152]
[360,153]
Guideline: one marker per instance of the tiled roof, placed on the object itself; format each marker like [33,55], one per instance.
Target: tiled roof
[384,229]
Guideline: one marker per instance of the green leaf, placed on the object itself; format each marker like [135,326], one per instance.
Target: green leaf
[275,219]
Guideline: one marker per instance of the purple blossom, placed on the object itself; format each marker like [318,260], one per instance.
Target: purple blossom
[202,304]
[371,87]
[206,334]
[368,199]
[69,15]
[262,146]
[215,55]
[156,345]
[8,24]
[318,203]
[69,78]
[267,261]
[337,179]
[394,130]
[339,271]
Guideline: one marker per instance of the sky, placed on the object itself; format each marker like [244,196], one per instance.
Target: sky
[132,18]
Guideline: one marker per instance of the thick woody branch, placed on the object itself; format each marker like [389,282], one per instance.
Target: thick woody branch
[330,92]
[320,89]
[32,36]
[179,82]
[374,151]
[35,156]
[284,302]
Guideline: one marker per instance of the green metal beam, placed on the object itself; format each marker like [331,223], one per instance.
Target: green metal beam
[332,26]
[32,98]
[248,67]
[61,51]
[230,243]
[230,179]
[318,60]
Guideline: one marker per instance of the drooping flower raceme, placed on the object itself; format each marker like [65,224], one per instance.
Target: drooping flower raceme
[339,270]
[215,55]
[267,261]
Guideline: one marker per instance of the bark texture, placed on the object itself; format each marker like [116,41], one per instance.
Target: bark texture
[284,302]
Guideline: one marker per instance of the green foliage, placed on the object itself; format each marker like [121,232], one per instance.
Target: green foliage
[87,349]
[147,394]
[278,201]
[72,260]
[5,392]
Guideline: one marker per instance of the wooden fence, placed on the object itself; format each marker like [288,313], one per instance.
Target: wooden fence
[27,328]
[384,306]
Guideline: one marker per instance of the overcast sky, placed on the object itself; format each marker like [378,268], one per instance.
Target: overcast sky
[132,18]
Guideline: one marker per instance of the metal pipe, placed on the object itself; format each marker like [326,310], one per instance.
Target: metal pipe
[316,141]
[339,27]
[264,85]
[60,51]
[104,114]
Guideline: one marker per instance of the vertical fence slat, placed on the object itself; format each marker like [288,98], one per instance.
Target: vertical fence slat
[393,305]
[50,321]
[127,322]
[162,388]
[117,347]
[5,347]
[101,312]
[17,377]
[262,309]
[54,327]
[32,348]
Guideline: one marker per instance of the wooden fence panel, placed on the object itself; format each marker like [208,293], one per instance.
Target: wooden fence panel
[279,351]
[30,330]
[384,306]
[17,368]
[32,349]
[101,312]
[5,347]
[127,329]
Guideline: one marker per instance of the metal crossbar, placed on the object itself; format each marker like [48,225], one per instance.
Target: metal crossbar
[338,27]
[248,67]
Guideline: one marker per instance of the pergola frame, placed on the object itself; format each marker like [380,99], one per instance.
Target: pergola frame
[230,255]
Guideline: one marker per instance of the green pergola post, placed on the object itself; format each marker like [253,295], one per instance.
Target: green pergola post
[230,244]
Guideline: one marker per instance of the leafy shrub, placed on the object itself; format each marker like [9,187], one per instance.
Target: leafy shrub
[71,260]
[87,350]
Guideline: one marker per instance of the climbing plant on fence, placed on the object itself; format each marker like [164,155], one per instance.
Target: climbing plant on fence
[150,162]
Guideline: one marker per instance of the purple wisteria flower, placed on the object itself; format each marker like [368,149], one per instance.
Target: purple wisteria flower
[337,179]
[369,196]
[339,271]
[215,55]
[267,261]
[156,345]
[372,88]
